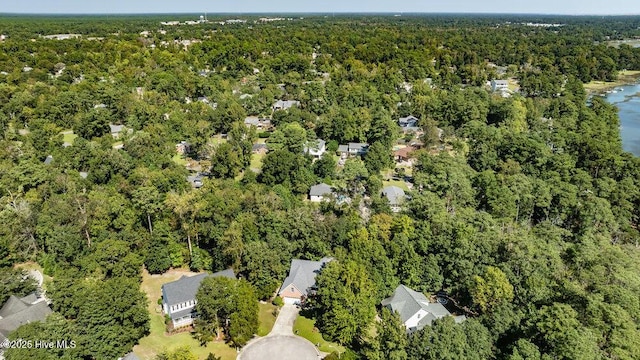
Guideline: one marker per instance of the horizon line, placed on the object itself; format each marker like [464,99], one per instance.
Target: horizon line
[322,13]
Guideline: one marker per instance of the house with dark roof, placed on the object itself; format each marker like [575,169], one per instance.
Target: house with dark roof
[319,192]
[395,196]
[415,310]
[19,311]
[301,281]
[179,297]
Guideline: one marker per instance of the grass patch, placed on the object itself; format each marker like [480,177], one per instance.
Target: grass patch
[624,77]
[157,341]
[305,327]
[179,159]
[256,162]
[68,136]
[266,318]
[399,183]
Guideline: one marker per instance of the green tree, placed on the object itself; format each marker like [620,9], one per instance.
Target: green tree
[491,289]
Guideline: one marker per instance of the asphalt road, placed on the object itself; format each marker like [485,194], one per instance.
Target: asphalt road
[281,343]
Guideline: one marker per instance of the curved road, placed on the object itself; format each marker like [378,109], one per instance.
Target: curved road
[281,343]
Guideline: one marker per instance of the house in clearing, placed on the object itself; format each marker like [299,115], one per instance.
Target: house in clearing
[285,104]
[301,281]
[395,196]
[415,310]
[179,297]
[320,192]
[499,85]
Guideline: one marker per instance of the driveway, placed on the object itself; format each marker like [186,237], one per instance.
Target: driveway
[281,343]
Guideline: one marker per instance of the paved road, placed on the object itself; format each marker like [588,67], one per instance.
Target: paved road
[281,343]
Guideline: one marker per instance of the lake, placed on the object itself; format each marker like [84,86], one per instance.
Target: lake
[628,103]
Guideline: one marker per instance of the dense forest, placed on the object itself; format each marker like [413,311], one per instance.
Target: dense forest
[523,209]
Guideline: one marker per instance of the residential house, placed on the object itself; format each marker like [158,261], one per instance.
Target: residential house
[116,130]
[301,281]
[183,148]
[395,196]
[19,311]
[259,123]
[499,85]
[415,310]
[319,192]
[259,148]
[405,154]
[285,104]
[343,150]
[179,297]
[315,148]
[409,124]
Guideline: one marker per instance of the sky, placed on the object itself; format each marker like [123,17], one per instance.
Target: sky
[571,7]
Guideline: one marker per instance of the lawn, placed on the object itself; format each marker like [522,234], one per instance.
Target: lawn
[179,159]
[399,183]
[68,136]
[305,327]
[157,341]
[624,77]
[266,318]
[256,162]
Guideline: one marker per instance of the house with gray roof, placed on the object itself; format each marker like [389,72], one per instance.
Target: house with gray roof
[395,196]
[353,149]
[258,122]
[179,297]
[301,281]
[409,124]
[415,310]
[317,193]
[19,311]
[285,104]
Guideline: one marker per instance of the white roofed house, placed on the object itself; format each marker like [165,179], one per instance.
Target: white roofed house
[179,297]
[415,310]
[315,148]
[301,281]
[499,85]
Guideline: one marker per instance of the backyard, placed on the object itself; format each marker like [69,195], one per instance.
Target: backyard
[158,341]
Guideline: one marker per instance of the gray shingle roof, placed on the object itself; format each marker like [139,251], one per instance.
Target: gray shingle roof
[302,274]
[407,302]
[343,148]
[17,312]
[394,194]
[48,160]
[116,129]
[320,190]
[185,288]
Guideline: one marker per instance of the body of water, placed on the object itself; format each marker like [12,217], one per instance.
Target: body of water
[627,100]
